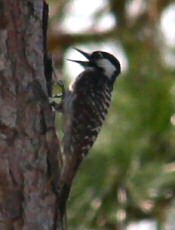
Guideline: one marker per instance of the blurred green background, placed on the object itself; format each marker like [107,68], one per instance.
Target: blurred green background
[129,175]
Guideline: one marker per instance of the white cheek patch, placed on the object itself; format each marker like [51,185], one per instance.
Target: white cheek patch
[108,67]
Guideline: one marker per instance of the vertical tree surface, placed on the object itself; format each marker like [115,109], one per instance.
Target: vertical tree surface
[29,168]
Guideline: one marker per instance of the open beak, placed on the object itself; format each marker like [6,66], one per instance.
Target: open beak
[83,63]
[86,55]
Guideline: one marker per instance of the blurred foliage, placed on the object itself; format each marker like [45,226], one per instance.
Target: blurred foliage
[130,173]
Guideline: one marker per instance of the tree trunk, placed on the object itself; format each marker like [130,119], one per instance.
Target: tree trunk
[29,149]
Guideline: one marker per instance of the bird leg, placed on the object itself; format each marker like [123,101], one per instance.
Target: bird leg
[55,105]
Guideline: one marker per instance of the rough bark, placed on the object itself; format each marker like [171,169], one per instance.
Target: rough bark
[29,149]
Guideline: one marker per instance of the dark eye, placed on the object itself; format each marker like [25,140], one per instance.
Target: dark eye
[97,55]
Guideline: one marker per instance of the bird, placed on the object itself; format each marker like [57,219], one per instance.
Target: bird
[87,101]
[84,106]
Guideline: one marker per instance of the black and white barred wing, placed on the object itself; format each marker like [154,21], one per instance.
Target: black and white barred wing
[91,95]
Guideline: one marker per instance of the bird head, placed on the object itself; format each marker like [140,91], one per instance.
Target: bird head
[102,61]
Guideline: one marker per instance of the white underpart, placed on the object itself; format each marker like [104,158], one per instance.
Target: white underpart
[71,86]
[108,67]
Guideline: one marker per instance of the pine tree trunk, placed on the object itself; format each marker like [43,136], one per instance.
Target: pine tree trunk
[29,149]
